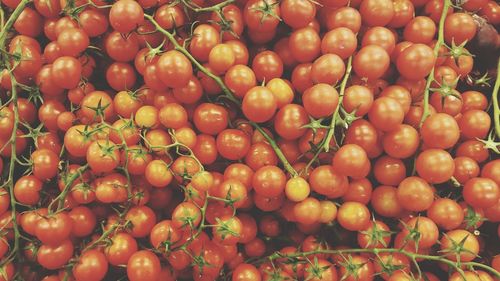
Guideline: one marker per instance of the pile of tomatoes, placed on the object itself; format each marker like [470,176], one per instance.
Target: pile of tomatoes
[249,140]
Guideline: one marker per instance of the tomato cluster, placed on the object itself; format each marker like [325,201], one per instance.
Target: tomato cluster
[249,140]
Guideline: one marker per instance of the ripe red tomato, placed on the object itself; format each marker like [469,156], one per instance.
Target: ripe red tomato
[440,130]
[416,61]
[92,265]
[415,194]
[122,247]
[143,220]
[340,41]
[45,164]
[209,139]
[259,104]
[261,15]
[435,165]
[66,72]
[125,15]
[55,257]
[371,62]
[143,265]
[386,113]
[458,28]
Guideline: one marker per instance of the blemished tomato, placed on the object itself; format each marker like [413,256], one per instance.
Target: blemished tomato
[403,13]
[328,68]
[239,79]
[168,16]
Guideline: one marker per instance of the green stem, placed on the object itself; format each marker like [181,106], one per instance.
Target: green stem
[331,131]
[104,236]
[10,22]
[2,18]
[277,150]
[439,43]
[227,92]
[412,256]
[208,9]
[494,96]
[183,50]
[67,188]
[12,164]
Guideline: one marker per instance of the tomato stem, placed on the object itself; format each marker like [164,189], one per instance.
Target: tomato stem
[331,130]
[221,84]
[67,188]
[494,96]
[277,150]
[207,9]
[10,22]
[6,27]
[184,51]
[412,256]
[13,158]
[439,43]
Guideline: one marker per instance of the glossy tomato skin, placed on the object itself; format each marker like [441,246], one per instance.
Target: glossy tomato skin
[143,265]
[371,62]
[386,113]
[246,272]
[435,165]
[481,192]
[92,265]
[256,19]
[207,157]
[289,121]
[55,257]
[122,248]
[45,164]
[259,104]
[125,16]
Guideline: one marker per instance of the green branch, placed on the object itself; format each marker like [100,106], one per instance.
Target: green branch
[494,96]
[439,43]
